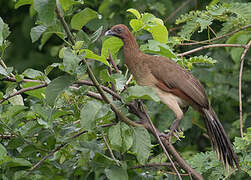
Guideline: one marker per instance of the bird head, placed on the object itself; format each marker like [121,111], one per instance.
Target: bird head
[121,31]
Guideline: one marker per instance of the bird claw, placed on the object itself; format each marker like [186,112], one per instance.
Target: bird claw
[171,133]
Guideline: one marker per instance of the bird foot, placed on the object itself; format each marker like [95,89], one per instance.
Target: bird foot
[172,132]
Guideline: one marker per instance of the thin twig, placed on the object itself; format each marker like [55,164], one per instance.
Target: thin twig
[79,82]
[23,90]
[212,31]
[66,27]
[127,83]
[5,67]
[53,151]
[12,79]
[160,142]
[177,10]
[216,38]
[111,61]
[106,89]
[94,95]
[110,150]
[156,165]
[210,46]
[240,86]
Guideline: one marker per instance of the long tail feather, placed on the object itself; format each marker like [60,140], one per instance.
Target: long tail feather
[220,140]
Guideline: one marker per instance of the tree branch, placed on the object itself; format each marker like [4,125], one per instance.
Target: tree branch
[216,38]
[177,10]
[240,85]
[159,140]
[210,46]
[182,163]
[23,90]
[66,27]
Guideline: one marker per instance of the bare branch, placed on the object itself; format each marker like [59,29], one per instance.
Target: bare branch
[240,87]
[177,10]
[12,79]
[111,61]
[127,83]
[23,90]
[181,162]
[156,165]
[66,27]
[216,38]
[159,140]
[210,46]
[106,89]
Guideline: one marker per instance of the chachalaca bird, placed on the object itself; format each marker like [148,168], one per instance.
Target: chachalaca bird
[177,88]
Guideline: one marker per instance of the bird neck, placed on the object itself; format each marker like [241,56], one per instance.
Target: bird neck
[131,48]
[130,45]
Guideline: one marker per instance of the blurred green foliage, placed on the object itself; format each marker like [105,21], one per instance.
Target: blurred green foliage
[34,45]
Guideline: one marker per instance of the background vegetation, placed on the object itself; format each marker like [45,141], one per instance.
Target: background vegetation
[55,125]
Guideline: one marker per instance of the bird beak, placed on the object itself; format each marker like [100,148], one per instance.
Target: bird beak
[109,33]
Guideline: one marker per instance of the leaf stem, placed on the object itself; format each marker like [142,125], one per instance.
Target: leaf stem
[211,46]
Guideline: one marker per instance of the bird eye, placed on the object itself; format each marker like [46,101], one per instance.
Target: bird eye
[118,30]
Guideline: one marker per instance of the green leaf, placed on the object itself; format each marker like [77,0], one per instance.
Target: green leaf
[89,54]
[51,67]
[141,92]
[22,3]
[78,45]
[142,144]
[38,93]
[82,18]
[159,33]
[96,34]
[204,22]
[115,173]
[134,12]
[33,74]
[112,44]
[114,135]
[14,110]
[70,61]
[18,162]
[46,10]
[120,81]
[3,152]
[106,77]
[16,100]
[241,37]
[56,87]
[157,47]
[3,71]
[88,114]
[36,32]
[66,4]
[55,29]
[127,137]
[4,31]
[136,24]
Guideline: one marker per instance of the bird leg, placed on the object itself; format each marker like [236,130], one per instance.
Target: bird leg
[174,126]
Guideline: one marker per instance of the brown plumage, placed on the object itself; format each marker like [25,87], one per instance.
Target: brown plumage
[177,88]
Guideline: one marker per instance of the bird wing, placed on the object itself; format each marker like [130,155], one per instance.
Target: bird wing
[175,79]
